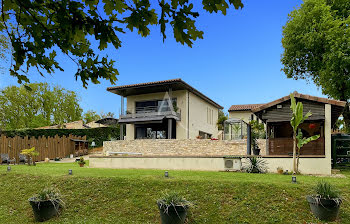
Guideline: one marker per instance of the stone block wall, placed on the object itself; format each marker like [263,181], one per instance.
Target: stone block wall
[182,147]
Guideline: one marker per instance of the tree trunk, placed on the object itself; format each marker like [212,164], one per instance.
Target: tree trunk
[298,156]
[346,115]
[294,152]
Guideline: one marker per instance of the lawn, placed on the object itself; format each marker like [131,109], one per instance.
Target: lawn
[129,196]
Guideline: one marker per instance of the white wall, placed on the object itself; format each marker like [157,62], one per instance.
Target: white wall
[199,109]
[307,165]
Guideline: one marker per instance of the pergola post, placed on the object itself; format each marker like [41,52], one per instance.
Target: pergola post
[267,139]
[170,128]
[121,126]
[249,140]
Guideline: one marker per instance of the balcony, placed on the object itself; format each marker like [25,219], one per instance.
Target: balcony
[150,114]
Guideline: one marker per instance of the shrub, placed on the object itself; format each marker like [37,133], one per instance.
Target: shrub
[255,165]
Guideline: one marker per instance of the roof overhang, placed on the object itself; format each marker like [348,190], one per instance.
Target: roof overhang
[336,111]
[159,86]
[142,120]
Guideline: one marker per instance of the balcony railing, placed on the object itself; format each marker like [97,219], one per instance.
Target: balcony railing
[151,112]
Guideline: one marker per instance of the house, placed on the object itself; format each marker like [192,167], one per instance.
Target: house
[243,112]
[315,157]
[70,125]
[104,122]
[169,109]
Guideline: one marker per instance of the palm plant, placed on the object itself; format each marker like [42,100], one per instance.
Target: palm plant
[298,140]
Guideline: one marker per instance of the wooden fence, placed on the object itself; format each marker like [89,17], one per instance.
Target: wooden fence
[48,147]
[283,146]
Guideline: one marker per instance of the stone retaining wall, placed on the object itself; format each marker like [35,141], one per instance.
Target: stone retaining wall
[180,147]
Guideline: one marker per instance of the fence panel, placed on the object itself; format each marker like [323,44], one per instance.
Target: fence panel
[48,147]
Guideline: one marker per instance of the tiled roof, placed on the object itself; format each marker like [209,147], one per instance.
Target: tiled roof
[300,96]
[244,107]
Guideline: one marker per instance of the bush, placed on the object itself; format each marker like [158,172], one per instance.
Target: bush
[98,135]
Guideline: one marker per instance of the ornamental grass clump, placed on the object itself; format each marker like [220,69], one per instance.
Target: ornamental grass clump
[173,199]
[173,208]
[255,165]
[49,194]
[325,190]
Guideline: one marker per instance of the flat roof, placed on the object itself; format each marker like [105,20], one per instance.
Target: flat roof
[159,86]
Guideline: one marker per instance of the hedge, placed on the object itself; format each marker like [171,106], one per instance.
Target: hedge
[98,135]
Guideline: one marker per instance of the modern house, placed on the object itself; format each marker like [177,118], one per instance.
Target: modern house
[169,109]
[243,112]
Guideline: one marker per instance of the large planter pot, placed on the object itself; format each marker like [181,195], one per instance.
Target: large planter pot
[324,209]
[173,215]
[44,210]
[256,151]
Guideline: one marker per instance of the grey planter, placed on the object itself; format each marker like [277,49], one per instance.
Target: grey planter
[324,209]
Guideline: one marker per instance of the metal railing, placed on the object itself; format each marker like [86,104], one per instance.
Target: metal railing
[150,114]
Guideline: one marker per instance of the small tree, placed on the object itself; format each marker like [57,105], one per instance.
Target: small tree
[298,140]
[30,153]
[222,117]
[257,130]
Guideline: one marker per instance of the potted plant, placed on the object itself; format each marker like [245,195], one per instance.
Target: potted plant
[173,208]
[256,130]
[279,170]
[46,204]
[326,202]
[81,162]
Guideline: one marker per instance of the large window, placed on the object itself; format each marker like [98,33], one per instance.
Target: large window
[154,106]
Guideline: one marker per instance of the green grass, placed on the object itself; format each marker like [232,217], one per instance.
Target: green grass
[129,196]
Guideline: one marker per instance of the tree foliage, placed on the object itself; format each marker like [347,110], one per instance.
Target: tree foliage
[316,46]
[41,28]
[91,115]
[222,117]
[42,105]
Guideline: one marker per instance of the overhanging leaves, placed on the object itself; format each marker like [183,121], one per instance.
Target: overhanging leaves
[41,28]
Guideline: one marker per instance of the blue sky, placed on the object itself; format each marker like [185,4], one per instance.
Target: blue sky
[237,62]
